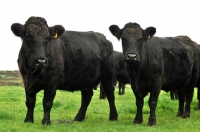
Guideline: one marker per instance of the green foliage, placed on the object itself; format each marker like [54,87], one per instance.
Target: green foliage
[66,105]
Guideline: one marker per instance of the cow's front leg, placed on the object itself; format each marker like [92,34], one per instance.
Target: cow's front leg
[85,101]
[139,103]
[30,104]
[152,104]
[153,99]
[49,94]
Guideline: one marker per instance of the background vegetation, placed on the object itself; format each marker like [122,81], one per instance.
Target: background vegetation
[66,105]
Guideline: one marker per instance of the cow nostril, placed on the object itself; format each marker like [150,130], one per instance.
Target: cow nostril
[131,56]
[41,63]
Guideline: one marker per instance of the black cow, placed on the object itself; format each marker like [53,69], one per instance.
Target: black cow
[51,58]
[155,63]
[120,74]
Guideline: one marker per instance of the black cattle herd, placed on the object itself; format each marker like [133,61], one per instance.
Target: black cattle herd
[53,59]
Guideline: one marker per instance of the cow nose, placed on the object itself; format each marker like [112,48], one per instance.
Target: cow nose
[131,56]
[41,63]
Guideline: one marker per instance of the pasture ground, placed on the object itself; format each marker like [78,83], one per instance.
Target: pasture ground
[66,105]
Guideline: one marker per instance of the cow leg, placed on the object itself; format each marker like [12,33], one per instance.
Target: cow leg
[123,88]
[152,104]
[172,95]
[176,95]
[107,77]
[153,99]
[109,91]
[120,88]
[139,116]
[49,94]
[181,96]
[30,104]
[189,96]
[31,91]
[102,93]
[85,101]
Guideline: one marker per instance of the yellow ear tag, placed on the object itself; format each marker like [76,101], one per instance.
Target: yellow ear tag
[56,35]
[149,37]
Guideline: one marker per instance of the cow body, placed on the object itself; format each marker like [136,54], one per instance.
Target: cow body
[155,63]
[51,58]
[120,72]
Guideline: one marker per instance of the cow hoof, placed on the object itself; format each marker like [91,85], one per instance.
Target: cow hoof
[79,118]
[186,115]
[28,120]
[113,117]
[152,122]
[46,122]
[179,114]
[137,121]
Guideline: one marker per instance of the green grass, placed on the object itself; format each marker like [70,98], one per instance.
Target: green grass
[66,105]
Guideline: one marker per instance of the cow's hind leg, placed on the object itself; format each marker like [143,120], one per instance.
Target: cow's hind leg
[85,101]
[107,79]
[181,96]
[123,88]
[109,91]
[189,96]
[120,88]
[102,93]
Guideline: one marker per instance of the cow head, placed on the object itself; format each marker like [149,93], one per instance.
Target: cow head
[36,35]
[133,39]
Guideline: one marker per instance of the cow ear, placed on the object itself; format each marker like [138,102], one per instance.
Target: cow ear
[17,29]
[149,32]
[115,30]
[56,31]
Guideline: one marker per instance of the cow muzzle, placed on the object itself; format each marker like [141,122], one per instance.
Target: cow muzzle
[41,63]
[131,57]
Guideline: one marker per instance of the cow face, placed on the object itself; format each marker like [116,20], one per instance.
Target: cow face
[133,39]
[36,35]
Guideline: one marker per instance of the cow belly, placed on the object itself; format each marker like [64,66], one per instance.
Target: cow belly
[81,81]
[176,80]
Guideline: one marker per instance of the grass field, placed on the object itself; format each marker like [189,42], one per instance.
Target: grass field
[66,105]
